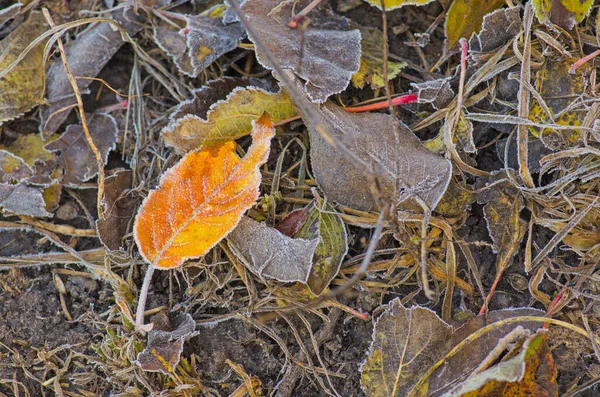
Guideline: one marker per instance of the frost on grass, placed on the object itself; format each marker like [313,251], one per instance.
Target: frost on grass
[202,40]
[371,137]
[270,253]
[323,56]
[76,157]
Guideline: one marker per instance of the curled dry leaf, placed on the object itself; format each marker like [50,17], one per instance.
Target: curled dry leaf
[86,56]
[323,57]
[200,200]
[465,18]
[371,60]
[564,13]
[163,351]
[203,40]
[370,136]
[228,119]
[270,253]
[23,87]
[76,157]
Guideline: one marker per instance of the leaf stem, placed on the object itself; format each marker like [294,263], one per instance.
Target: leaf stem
[295,20]
[583,60]
[141,307]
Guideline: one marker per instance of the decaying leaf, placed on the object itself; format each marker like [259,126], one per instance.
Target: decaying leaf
[437,92]
[202,40]
[30,151]
[463,134]
[393,4]
[200,200]
[163,351]
[370,136]
[564,13]
[87,55]
[371,60]
[455,201]
[120,205]
[13,168]
[269,253]
[323,57]
[497,28]
[23,87]
[405,344]
[228,119]
[528,370]
[76,157]
[465,18]
[22,199]
[324,223]
[560,90]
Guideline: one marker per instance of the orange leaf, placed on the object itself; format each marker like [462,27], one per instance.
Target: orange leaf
[201,199]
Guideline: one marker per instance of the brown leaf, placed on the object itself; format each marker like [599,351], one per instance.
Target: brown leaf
[497,29]
[120,205]
[22,199]
[76,157]
[323,57]
[437,92]
[272,254]
[371,137]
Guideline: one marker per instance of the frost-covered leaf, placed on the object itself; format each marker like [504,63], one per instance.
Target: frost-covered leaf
[87,55]
[437,92]
[163,351]
[325,224]
[23,87]
[465,18]
[371,137]
[228,119]
[455,201]
[119,205]
[323,57]
[393,4]
[560,90]
[22,199]
[463,134]
[200,200]
[269,253]
[202,40]
[76,157]
[497,29]
[564,13]
[405,344]
[371,60]
[13,168]
[30,150]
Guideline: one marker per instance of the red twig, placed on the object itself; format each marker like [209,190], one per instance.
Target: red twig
[400,100]
[293,23]
[583,60]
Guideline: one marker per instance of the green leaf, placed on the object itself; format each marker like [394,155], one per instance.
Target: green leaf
[465,18]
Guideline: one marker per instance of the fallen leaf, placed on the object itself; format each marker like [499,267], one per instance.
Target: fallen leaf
[119,205]
[42,163]
[76,157]
[371,137]
[23,87]
[437,92]
[465,18]
[564,13]
[323,57]
[200,200]
[163,351]
[371,60]
[228,119]
[324,224]
[293,222]
[463,135]
[455,201]
[497,29]
[22,199]
[405,344]
[269,253]
[13,168]
[560,90]
[393,4]
[87,55]
[202,40]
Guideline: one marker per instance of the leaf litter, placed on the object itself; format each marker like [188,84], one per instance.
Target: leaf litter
[464,221]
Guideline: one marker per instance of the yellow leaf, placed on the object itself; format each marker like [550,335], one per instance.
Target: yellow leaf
[465,18]
[393,4]
[564,13]
[371,60]
[200,200]
[23,87]
[228,120]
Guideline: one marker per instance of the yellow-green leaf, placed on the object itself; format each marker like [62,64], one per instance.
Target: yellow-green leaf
[393,4]
[371,61]
[228,120]
[465,18]
[23,87]
[564,13]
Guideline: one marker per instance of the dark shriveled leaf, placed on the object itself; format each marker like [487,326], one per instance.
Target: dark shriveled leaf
[322,58]
[370,136]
